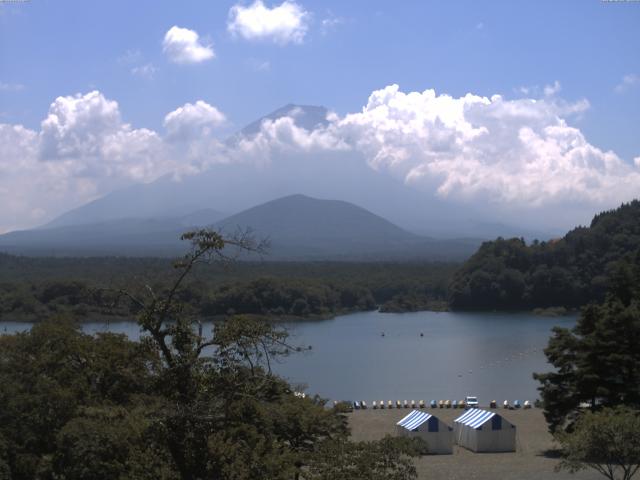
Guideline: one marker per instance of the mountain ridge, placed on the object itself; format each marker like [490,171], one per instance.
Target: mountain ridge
[299,227]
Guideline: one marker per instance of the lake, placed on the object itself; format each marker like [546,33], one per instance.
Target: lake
[490,355]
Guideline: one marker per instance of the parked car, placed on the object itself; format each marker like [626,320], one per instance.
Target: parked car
[471,402]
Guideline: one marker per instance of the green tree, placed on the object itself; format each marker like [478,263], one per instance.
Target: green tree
[597,362]
[180,404]
[387,459]
[607,441]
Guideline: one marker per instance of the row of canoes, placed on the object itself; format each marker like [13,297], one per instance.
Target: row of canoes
[362,405]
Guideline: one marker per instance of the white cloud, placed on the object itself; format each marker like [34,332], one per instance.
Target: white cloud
[193,120]
[550,90]
[519,155]
[182,45]
[147,71]
[84,149]
[517,152]
[628,81]
[11,87]
[282,24]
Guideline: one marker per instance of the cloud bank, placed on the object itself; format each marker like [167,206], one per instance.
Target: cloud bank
[282,24]
[182,45]
[521,155]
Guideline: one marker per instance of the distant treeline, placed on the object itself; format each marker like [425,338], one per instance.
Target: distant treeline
[569,272]
[34,288]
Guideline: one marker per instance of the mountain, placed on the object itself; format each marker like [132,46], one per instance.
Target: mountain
[567,272]
[128,237]
[306,116]
[236,186]
[298,228]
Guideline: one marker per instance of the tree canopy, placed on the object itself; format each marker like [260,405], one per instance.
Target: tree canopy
[607,441]
[180,404]
[508,274]
[597,363]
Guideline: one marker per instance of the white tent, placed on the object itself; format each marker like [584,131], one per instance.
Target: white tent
[437,434]
[483,431]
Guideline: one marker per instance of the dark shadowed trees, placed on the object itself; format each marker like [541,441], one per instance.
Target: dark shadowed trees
[597,363]
[607,441]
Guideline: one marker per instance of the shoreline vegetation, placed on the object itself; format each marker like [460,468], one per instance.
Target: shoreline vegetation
[32,289]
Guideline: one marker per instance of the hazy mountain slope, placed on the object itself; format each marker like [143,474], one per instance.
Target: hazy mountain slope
[130,236]
[298,227]
[302,227]
[301,218]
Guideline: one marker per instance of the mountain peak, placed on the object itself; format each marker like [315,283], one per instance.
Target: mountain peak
[308,117]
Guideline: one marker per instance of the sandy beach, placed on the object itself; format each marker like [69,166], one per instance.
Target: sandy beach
[531,461]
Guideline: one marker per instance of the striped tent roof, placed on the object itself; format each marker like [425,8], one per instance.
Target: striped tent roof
[475,417]
[414,420]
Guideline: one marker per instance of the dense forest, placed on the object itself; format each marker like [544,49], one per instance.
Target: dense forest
[87,288]
[568,272]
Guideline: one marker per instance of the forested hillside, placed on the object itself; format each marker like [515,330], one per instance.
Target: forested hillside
[32,289]
[569,272]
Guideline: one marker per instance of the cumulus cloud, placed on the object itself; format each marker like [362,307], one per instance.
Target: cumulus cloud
[518,154]
[628,81]
[193,120]
[282,24]
[285,135]
[182,45]
[84,149]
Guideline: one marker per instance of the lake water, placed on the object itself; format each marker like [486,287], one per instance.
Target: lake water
[491,355]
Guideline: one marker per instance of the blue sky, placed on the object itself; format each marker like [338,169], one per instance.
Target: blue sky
[59,48]
[344,52]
